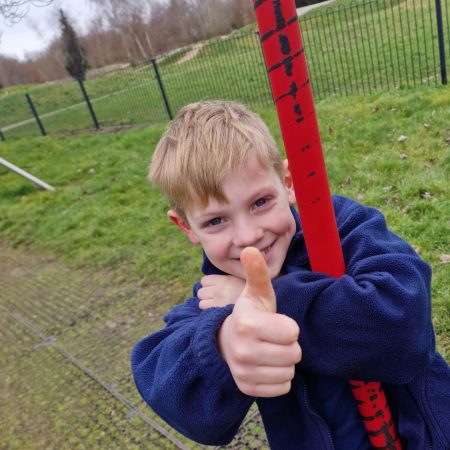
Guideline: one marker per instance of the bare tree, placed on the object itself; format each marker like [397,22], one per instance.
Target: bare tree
[129,19]
[50,64]
[123,31]
[15,10]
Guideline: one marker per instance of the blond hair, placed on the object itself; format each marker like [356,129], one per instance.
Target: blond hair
[205,142]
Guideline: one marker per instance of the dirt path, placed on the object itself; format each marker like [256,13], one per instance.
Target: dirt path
[65,338]
[192,53]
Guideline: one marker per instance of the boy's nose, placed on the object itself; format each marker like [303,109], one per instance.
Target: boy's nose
[247,234]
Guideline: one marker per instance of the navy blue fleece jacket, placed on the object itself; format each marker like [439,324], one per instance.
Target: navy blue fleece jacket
[374,323]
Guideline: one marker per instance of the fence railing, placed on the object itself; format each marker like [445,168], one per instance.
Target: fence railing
[362,47]
[376,45]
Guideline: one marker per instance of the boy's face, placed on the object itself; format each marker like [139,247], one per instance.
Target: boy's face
[256,215]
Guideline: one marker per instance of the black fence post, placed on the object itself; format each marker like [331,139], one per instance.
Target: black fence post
[161,87]
[440,31]
[88,103]
[2,136]
[35,114]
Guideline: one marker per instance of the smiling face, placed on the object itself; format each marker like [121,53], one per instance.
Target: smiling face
[257,214]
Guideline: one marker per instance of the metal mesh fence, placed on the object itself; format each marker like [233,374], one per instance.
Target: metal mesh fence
[230,67]
[362,47]
[130,94]
[373,45]
[66,408]
[65,338]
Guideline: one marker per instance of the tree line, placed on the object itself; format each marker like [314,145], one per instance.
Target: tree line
[123,31]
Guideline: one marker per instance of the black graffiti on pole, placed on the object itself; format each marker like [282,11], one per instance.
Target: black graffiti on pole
[287,63]
[305,148]
[298,111]
[281,22]
[385,428]
[258,3]
[269,33]
[285,48]
[293,90]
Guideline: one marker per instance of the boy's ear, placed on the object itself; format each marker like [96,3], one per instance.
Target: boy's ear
[288,183]
[183,225]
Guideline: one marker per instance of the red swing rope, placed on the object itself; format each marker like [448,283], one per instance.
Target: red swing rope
[286,66]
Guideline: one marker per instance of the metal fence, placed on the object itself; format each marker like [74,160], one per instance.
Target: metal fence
[362,47]
[230,67]
[64,346]
[377,45]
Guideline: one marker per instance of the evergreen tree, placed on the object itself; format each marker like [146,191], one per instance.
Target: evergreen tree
[76,63]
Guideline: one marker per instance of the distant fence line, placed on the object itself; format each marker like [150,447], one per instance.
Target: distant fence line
[363,47]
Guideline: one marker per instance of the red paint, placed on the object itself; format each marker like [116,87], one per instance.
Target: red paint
[286,65]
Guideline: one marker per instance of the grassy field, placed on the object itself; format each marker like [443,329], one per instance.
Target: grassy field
[227,68]
[96,262]
[365,46]
[351,46]
[103,214]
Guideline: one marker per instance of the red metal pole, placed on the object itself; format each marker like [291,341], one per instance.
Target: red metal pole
[286,65]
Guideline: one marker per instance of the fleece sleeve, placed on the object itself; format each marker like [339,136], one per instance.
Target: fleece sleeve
[373,323]
[181,375]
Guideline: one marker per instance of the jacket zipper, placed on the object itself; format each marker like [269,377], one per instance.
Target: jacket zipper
[317,418]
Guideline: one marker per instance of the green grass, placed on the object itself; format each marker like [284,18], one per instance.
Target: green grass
[351,47]
[128,96]
[109,225]
[104,215]
[365,46]
[226,68]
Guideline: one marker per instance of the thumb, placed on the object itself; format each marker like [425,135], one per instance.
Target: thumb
[258,284]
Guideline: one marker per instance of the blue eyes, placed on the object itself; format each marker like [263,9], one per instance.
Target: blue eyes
[216,221]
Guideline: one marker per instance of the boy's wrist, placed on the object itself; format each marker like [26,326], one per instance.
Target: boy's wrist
[205,342]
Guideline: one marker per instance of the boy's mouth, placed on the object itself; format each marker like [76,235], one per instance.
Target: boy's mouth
[267,249]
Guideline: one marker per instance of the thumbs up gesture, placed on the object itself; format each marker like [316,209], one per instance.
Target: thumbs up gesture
[259,345]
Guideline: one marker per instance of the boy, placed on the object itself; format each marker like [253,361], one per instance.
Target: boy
[237,340]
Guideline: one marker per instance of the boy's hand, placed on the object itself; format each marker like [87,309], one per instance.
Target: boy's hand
[259,345]
[219,290]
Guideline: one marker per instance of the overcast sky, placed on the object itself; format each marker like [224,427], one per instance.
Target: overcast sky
[35,31]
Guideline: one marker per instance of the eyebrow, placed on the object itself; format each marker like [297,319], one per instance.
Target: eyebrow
[218,211]
[208,214]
